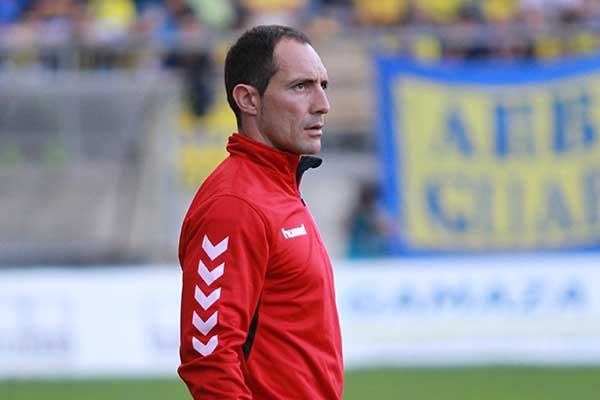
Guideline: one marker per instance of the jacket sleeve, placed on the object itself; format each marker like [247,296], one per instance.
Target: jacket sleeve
[223,253]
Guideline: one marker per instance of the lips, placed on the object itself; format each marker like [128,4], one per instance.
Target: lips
[315,127]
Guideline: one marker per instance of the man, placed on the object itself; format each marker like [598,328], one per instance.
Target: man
[258,316]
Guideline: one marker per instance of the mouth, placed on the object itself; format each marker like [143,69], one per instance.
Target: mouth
[316,129]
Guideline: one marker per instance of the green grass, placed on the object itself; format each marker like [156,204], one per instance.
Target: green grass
[134,389]
[413,384]
[475,384]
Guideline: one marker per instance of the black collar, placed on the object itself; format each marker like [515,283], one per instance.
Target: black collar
[306,163]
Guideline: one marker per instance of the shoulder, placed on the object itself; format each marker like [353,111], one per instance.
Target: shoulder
[232,175]
[226,207]
[223,216]
[240,178]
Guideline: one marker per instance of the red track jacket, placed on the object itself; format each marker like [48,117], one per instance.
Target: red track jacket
[258,313]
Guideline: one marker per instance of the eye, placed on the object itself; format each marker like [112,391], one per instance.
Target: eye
[324,85]
[300,86]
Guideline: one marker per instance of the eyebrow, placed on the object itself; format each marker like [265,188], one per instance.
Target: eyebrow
[307,81]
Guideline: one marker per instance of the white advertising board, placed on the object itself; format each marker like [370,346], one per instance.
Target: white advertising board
[447,311]
[443,311]
[76,322]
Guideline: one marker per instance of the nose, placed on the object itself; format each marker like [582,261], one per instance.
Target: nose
[320,102]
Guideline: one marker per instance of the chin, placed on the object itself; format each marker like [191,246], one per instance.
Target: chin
[306,146]
[312,148]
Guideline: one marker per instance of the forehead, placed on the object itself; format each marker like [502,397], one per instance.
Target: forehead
[298,60]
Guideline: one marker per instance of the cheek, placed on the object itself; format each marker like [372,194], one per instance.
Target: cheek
[294,113]
[286,113]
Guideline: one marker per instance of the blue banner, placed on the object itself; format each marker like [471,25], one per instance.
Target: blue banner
[494,157]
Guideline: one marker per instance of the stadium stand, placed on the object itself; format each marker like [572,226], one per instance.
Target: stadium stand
[93,126]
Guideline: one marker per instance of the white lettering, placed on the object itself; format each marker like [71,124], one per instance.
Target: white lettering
[294,232]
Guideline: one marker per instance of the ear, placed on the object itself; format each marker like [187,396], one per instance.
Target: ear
[246,98]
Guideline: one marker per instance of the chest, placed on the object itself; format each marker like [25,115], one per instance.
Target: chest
[298,259]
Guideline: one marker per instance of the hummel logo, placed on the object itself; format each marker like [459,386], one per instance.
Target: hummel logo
[292,233]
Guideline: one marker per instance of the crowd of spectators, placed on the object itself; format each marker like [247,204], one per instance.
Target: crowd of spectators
[427,29]
[480,29]
[187,34]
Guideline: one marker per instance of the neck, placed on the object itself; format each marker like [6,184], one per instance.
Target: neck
[250,129]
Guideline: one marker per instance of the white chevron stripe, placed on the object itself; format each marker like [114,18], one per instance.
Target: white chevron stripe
[205,349]
[210,276]
[214,251]
[205,326]
[207,301]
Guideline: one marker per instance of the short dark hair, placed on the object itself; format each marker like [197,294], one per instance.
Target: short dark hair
[250,60]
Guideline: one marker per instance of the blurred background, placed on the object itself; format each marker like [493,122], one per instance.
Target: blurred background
[459,196]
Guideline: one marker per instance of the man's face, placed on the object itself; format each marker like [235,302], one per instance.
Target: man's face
[294,105]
